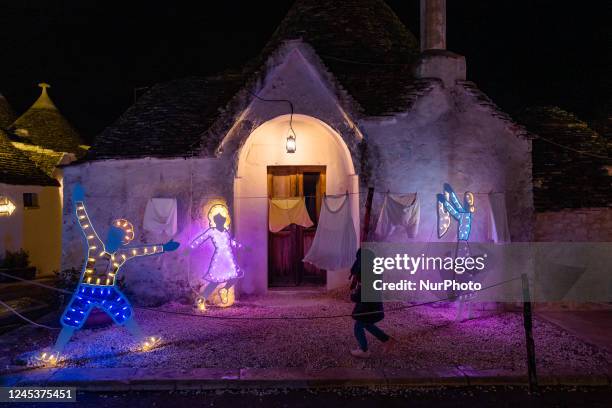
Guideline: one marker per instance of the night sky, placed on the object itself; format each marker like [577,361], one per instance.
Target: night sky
[95,53]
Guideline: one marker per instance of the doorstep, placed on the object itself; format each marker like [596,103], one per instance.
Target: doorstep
[123,379]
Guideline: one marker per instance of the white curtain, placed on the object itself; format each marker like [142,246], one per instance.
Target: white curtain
[398,211]
[160,216]
[287,211]
[335,242]
[498,225]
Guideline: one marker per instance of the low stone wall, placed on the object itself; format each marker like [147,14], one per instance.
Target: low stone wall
[574,225]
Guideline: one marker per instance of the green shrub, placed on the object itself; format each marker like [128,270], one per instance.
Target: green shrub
[15,260]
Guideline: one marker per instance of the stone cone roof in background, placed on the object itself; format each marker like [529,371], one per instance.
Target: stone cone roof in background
[17,169]
[7,115]
[43,125]
[171,119]
[46,160]
[362,42]
[564,178]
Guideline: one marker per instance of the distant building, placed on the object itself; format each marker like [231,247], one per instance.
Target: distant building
[45,136]
[32,219]
[31,149]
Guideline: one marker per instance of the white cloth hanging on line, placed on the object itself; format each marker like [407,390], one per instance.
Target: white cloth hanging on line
[401,211]
[286,211]
[335,242]
[160,216]
[499,231]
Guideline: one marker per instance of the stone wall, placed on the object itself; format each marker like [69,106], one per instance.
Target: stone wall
[574,225]
[121,189]
[449,137]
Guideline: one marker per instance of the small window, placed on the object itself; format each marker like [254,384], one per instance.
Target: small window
[30,200]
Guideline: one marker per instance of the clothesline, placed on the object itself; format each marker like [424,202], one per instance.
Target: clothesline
[362,192]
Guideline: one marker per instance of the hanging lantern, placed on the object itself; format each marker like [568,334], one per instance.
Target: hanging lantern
[291,143]
[6,207]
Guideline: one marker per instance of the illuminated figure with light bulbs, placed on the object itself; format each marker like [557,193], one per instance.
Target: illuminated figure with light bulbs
[223,268]
[449,205]
[97,285]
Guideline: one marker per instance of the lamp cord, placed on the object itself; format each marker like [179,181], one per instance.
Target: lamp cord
[280,100]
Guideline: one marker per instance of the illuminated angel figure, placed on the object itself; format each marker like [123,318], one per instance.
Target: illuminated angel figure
[449,205]
[223,267]
[97,284]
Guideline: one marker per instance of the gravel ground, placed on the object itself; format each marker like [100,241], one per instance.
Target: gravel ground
[428,338]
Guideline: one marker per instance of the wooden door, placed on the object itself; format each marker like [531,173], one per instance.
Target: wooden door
[287,247]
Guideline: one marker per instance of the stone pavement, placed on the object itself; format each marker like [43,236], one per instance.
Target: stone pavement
[123,379]
[592,326]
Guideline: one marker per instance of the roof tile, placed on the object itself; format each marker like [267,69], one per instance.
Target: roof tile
[16,168]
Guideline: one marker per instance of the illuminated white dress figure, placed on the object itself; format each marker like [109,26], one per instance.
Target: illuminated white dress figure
[223,267]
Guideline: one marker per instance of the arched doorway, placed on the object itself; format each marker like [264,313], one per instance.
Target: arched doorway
[320,150]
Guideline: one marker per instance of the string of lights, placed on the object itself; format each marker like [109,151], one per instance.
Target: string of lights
[319,317]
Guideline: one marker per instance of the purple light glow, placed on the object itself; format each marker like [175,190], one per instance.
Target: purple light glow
[223,265]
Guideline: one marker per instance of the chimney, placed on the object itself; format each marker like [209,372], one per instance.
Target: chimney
[435,61]
[433,25]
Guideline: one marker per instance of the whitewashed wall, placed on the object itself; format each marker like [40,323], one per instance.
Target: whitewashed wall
[447,137]
[121,189]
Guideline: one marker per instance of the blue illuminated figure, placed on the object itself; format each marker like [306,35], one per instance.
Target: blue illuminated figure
[449,205]
[97,284]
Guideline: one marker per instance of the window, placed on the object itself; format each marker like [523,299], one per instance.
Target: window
[30,200]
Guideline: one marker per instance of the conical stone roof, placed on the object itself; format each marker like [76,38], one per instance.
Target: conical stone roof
[17,169]
[43,125]
[362,42]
